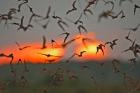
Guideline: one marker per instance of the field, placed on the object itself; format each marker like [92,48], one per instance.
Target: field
[89,77]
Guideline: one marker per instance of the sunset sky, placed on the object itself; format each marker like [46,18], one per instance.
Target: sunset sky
[100,32]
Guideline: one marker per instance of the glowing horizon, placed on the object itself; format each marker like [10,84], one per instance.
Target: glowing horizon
[35,54]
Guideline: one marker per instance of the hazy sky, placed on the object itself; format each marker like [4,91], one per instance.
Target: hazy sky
[105,30]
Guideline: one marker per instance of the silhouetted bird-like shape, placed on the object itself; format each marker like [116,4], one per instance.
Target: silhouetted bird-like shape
[21,26]
[87,11]
[117,15]
[52,43]
[75,54]
[47,14]
[66,37]
[56,17]
[105,14]
[8,56]
[133,49]
[43,42]
[69,42]
[51,60]
[135,8]
[77,21]
[11,56]
[134,28]
[91,2]
[84,40]
[127,37]
[8,16]
[73,8]
[49,55]
[19,61]
[21,48]
[60,22]
[34,15]
[2,55]
[80,28]
[100,47]
[21,4]
[44,26]
[112,43]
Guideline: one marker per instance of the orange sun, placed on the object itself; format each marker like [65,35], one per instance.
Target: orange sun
[55,54]
[35,54]
[90,47]
[32,54]
[91,50]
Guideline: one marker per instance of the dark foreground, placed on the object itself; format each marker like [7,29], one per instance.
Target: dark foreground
[89,77]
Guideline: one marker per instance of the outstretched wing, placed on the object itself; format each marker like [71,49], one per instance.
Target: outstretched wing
[44,42]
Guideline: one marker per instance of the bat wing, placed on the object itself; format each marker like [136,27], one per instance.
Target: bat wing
[44,42]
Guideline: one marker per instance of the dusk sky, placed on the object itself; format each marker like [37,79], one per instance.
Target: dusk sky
[105,30]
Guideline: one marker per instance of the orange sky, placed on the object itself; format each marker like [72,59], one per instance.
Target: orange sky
[33,53]
[91,48]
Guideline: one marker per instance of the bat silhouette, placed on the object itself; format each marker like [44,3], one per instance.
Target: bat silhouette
[21,48]
[134,28]
[9,56]
[84,40]
[49,55]
[19,61]
[112,43]
[80,28]
[21,26]
[48,13]
[133,49]
[56,17]
[135,8]
[105,14]
[21,4]
[77,21]
[75,54]
[69,42]
[100,47]
[73,9]
[117,15]
[61,23]
[34,15]
[66,37]
[43,42]
[127,37]
[52,43]
[91,2]
[87,11]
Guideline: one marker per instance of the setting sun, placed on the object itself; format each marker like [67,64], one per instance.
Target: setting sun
[91,49]
[52,53]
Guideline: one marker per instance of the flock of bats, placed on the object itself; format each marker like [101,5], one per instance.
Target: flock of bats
[63,24]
